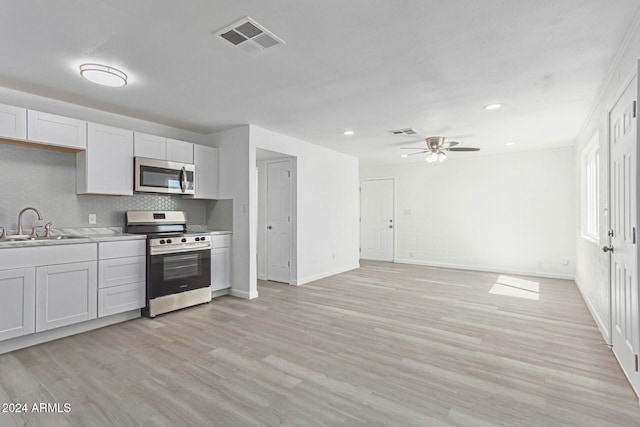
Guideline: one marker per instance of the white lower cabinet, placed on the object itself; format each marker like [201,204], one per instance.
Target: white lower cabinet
[66,294]
[121,277]
[220,262]
[17,302]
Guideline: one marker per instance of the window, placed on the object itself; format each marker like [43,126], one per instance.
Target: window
[590,182]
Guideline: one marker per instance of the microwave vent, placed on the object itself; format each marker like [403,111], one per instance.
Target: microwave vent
[249,36]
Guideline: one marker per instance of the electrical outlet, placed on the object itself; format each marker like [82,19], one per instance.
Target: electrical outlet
[565,262]
[93,219]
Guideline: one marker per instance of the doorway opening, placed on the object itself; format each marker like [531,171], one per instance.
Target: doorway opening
[276,219]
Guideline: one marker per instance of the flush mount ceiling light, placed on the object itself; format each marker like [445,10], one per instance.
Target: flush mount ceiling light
[492,106]
[103,75]
[348,132]
[508,144]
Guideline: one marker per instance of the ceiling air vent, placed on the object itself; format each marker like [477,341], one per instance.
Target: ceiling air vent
[407,131]
[249,36]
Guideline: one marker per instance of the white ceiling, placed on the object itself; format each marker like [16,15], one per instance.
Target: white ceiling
[370,66]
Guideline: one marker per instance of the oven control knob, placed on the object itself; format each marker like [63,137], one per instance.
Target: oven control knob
[162,242]
[197,239]
[184,240]
[168,240]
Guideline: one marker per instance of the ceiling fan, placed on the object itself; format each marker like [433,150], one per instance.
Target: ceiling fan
[436,147]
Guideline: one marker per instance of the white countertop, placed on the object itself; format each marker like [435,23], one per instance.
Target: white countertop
[88,235]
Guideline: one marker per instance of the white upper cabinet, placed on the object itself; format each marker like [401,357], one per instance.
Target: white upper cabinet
[106,167]
[13,122]
[56,130]
[151,146]
[161,148]
[206,161]
[180,151]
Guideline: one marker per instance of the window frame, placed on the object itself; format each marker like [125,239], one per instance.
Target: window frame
[590,190]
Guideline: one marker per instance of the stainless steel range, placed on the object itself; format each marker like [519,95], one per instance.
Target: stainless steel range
[178,263]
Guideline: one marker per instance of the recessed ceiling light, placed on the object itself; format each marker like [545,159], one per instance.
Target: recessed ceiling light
[348,132]
[103,75]
[509,144]
[404,155]
[492,106]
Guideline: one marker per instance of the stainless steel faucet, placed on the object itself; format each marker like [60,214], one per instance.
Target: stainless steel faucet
[19,232]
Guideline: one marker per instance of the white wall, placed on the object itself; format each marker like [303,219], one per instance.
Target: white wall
[592,265]
[326,207]
[233,155]
[513,213]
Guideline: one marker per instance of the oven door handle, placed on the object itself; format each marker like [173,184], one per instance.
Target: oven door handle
[162,251]
[183,179]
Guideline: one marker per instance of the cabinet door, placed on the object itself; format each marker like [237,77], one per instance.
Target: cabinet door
[179,151]
[150,146]
[56,130]
[17,302]
[107,165]
[118,299]
[66,294]
[13,122]
[206,161]
[220,268]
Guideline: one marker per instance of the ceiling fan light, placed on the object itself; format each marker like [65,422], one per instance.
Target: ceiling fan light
[441,157]
[431,157]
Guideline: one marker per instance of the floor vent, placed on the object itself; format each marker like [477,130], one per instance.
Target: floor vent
[249,36]
[407,131]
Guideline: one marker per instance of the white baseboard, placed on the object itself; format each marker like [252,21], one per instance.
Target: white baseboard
[487,269]
[219,293]
[262,277]
[65,331]
[243,294]
[323,275]
[602,326]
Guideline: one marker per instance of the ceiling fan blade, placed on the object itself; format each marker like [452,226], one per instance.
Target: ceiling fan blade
[463,149]
[419,152]
[412,148]
[449,144]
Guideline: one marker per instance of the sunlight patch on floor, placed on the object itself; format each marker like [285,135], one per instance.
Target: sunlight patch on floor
[514,287]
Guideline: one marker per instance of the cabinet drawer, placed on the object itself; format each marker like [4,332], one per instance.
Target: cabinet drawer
[121,271]
[119,299]
[221,241]
[56,130]
[122,249]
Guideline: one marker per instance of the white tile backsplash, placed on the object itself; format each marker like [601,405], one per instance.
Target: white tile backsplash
[46,180]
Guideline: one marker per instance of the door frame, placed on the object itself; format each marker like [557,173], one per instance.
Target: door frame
[395,213]
[261,238]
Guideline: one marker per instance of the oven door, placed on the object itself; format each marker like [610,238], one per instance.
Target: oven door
[171,273]
[160,176]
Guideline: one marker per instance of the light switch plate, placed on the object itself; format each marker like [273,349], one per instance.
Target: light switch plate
[93,219]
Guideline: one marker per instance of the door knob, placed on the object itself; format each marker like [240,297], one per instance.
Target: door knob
[269,227]
[607,249]
[391,226]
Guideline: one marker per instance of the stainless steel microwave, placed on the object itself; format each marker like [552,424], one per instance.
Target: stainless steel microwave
[161,176]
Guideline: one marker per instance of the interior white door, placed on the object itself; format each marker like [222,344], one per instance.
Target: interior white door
[624,257]
[278,221]
[377,223]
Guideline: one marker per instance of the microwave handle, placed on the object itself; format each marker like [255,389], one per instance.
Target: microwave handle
[183,179]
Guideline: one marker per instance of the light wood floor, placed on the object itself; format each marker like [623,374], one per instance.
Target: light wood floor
[386,344]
